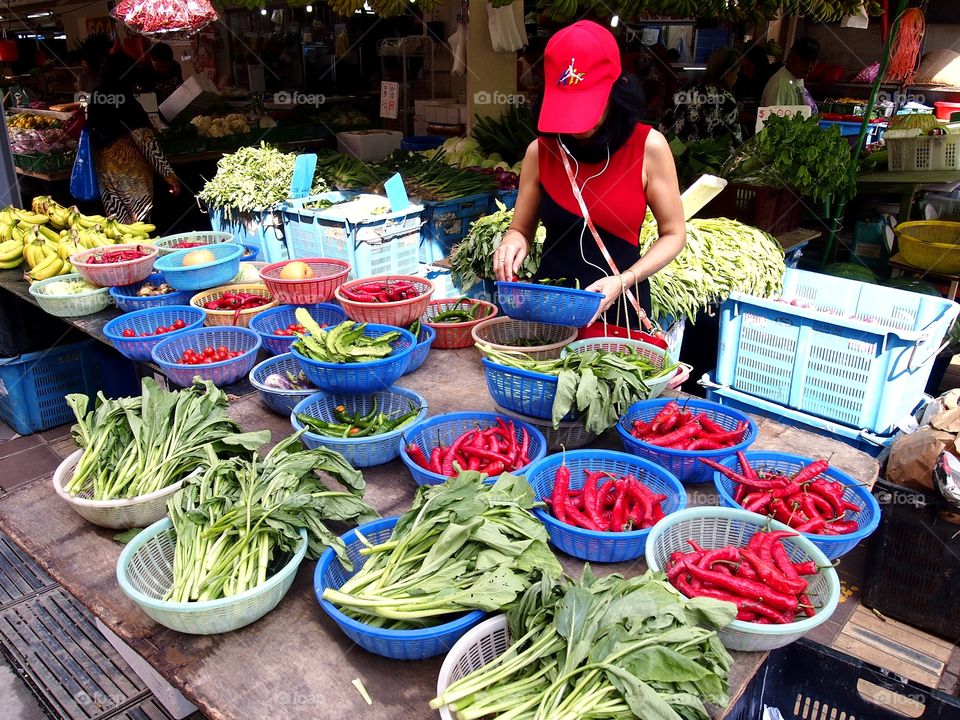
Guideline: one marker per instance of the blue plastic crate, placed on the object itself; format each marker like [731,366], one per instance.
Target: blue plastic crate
[33,386]
[446,223]
[851,352]
[383,244]
[261,229]
[862,440]
[508,198]
[851,130]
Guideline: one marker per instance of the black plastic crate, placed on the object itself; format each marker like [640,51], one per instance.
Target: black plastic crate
[809,681]
[913,563]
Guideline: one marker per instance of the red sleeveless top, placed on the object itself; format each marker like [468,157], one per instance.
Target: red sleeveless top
[615,199]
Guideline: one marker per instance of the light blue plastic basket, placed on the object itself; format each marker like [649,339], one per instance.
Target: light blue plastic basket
[833,546]
[858,354]
[592,545]
[146,321]
[201,277]
[361,452]
[395,644]
[167,354]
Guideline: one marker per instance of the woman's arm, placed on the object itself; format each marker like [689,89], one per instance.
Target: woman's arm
[523,228]
[663,198]
[148,146]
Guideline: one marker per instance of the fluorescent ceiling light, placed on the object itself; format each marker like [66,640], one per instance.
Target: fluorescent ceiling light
[38,15]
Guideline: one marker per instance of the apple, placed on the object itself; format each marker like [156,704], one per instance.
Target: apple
[198,257]
[296,270]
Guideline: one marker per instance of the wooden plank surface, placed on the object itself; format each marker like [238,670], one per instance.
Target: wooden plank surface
[295,662]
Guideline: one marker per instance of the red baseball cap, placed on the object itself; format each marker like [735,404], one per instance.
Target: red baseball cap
[581,64]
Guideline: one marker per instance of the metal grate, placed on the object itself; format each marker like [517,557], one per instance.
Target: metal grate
[20,576]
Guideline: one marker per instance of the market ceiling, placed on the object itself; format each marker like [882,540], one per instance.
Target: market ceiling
[15,14]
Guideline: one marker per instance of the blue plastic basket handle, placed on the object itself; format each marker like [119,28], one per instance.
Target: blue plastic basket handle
[303,170]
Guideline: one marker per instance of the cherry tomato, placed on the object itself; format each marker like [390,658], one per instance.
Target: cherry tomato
[283,332]
[234,354]
[160,330]
[209,352]
[220,357]
[145,334]
[129,333]
[178,324]
[223,349]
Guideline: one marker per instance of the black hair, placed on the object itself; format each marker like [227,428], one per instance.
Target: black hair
[162,52]
[94,49]
[625,108]
[119,73]
[807,49]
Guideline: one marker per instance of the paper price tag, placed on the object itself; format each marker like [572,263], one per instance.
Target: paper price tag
[780,111]
[389,99]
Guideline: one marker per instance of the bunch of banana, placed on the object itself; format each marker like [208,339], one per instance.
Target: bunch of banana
[345,7]
[134,232]
[92,238]
[50,266]
[11,247]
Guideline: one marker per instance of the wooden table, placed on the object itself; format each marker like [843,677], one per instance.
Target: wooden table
[295,662]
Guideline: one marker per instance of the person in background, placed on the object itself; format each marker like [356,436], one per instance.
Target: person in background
[753,76]
[530,67]
[785,87]
[591,140]
[166,74]
[125,150]
[93,52]
[708,109]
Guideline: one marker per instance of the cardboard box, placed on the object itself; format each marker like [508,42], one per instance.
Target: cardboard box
[369,145]
[194,96]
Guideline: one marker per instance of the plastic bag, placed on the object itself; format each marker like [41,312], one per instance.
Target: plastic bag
[506,33]
[83,179]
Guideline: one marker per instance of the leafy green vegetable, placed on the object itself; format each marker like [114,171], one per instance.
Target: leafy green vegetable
[507,136]
[463,545]
[610,648]
[138,445]
[241,518]
[795,152]
[344,343]
[471,260]
[433,179]
[598,384]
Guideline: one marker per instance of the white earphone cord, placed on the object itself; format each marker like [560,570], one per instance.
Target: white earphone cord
[575,173]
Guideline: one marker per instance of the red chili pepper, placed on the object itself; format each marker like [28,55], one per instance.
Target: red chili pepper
[730,437]
[667,412]
[842,527]
[764,547]
[806,606]
[416,454]
[523,458]
[579,519]
[436,460]
[749,589]
[640,428]
[758,503]
[561,487]
[813,525]
[684,433]
[494,468]
[811,471]
[710,425]
[728,553]
[828,492]
[620,507]
[772,577]
[590,506]
[739,477]
[451,452]
[852,507]
[807,567]
[705,443]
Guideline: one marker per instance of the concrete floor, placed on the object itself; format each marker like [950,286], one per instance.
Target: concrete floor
[16,700]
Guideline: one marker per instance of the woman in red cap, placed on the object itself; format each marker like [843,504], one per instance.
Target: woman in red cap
[594,167]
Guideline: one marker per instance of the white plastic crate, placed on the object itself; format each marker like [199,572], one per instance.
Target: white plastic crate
[851,352]
[909,151]
[373,244]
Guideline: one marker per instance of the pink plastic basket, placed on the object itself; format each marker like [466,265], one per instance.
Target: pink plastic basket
[328,275]
[450,335]
[398,314]
[119,273]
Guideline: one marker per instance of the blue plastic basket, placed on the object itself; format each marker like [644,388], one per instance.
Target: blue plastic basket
[201,277]
[522,391]
[146,321]
[548,303]
[363,451]
[421,142]
[833,546]
[395,644]
[685,464]
[446,222]
[384,244]
[444,429]
[127,299]
[859,354]
[592,545]
[280,317]
[363,377]
[167,354]
[280,401]
[421,349]
[33,386]
[205,237]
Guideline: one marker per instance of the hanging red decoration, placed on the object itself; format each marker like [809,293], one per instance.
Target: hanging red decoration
[9,51]
[165,18]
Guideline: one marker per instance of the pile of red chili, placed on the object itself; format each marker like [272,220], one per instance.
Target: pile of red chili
[678,429]
[492,451]
[381,291]
[807,502]
[237,302]
[184,244]
[760,579]
[620,504]
[115,256]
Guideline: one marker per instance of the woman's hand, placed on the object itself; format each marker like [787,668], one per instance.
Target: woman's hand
[611,287]
[508,258]
[174,186]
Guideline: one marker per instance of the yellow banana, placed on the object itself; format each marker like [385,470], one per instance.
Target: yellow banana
[49,233]
[11,264]
[6,232]
[69,248]
[10,249]
[67,268]
[31,218]
[49,268]
[101,240]
[17,233]
[28,256]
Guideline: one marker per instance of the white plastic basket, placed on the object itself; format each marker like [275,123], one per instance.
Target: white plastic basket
[478,646]
[116,514]
[569,436]
[714,527]
[86,303]
[145,573]
[909,151]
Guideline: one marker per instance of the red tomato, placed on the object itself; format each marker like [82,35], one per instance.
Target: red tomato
[283,332]
[223,349]
[145,334]
[209,352]
[178,324]
[220,357]
[129,333]
[160,330]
